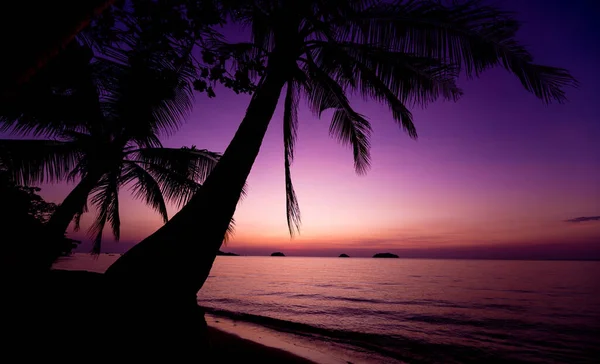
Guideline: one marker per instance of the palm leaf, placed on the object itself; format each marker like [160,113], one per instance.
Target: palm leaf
[177,189]
[178,171]
[255,15]
[230,231]
[144,187]
[33,161]
[106,199]
[347,126]
[77,218]
[414,79]
[290,127]
[470,35]
[392,78]
[194,163]
[153,96]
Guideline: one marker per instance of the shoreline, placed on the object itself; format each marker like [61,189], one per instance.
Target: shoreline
[229,347]
[313,348]
[272,341]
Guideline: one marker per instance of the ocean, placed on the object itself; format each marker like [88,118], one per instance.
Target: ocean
[412,310]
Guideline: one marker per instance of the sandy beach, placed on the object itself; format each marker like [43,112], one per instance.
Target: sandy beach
[264,344]
[233,348]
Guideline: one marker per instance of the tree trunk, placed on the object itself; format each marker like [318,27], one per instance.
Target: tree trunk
[175,261]
[65,212]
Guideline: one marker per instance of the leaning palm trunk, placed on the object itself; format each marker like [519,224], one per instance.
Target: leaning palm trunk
[65,212]
[177,258]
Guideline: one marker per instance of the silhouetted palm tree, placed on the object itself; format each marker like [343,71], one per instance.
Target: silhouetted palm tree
[139,95]
[400,53]
[156,175]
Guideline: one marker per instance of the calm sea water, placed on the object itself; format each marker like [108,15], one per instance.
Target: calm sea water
[430,311]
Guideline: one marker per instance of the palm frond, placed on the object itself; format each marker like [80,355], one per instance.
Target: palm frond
[195,164]
[176,188]
[470,35]
[262,35]
[77,218]
[229,232]
[415,80]
[290,127]
[153,96]
[144,187]
[106,199]
[393,78]
[79,170]
[347,126]
[256,15]
[33,161]
[178,171]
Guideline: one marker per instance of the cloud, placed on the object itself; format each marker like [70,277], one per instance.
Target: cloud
[584,219]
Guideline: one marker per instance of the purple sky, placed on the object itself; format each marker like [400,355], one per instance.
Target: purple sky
[494,175]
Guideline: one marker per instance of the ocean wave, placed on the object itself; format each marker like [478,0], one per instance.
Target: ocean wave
[482,345]
[394,347]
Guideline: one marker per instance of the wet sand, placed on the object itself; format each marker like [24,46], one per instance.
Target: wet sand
[231,348]
[308,349]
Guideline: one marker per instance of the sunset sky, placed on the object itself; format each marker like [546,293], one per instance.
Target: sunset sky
[495,175]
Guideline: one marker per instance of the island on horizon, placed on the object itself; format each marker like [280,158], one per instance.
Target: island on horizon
[227,254]
[385,255]
[278,254]
[344,256]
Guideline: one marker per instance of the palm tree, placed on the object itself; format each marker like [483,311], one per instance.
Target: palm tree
[138,97]
[400,53]
[156,175]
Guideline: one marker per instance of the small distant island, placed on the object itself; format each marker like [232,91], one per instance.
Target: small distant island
[228,254]
[385,255]
[344,256]
[278,254]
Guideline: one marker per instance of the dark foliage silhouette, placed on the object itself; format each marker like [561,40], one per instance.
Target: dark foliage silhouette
[22,221]
[56,30]
[132,100]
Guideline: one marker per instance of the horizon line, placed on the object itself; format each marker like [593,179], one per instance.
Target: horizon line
[399,257]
